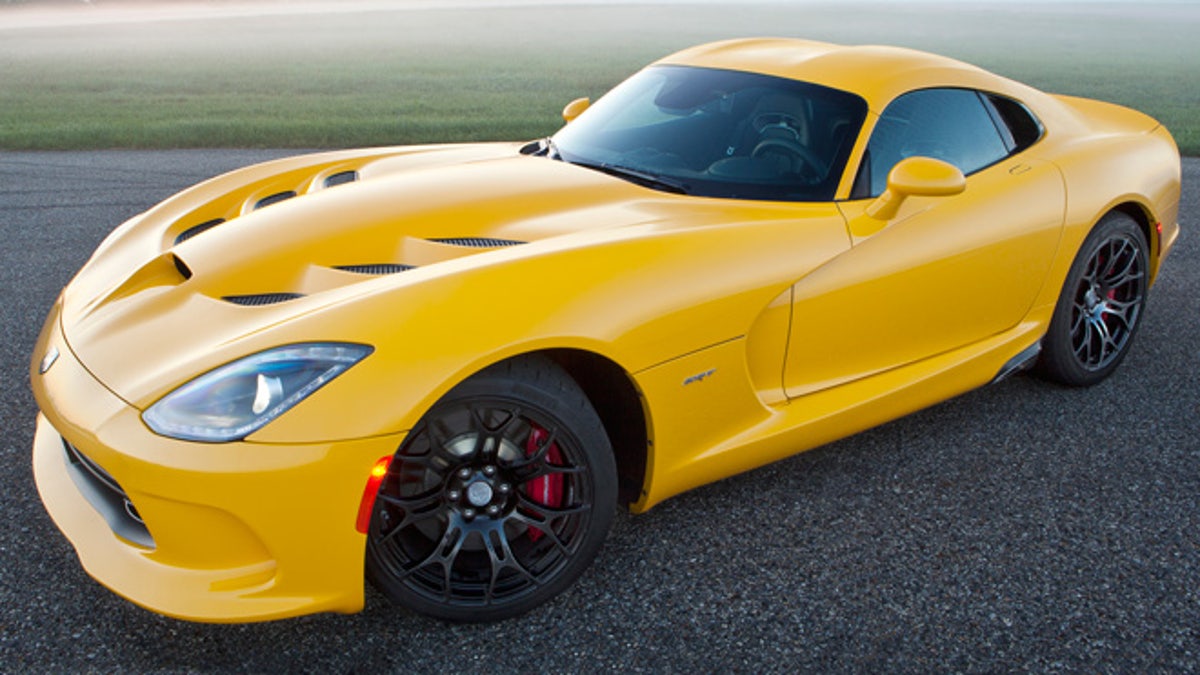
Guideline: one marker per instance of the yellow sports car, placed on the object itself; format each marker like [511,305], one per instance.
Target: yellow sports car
[443,367]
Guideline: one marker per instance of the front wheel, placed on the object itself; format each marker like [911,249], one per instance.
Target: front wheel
[1101,305]
[497,500]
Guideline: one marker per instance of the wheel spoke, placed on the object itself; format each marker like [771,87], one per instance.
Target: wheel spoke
[548,513]
[1121,255]
[451,539]
[543,527]
[1091,273]
[438,458]
[1129,275]
[532,473]
[1126,312]
[1083,345]
[501,557]
[539,455]
[489,440]
[1104,335]
[416,509]
[1078,316]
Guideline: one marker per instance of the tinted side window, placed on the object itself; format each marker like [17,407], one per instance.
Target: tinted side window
[1022,126]
[947,124]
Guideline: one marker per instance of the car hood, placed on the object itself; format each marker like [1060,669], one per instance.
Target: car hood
[440,257]
[220,270]
[242,252]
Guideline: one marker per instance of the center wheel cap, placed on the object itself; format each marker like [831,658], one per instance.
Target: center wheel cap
[479,493]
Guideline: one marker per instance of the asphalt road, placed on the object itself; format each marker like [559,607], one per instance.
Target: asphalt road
[1019,527]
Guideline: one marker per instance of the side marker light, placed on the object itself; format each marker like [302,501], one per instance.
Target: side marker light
[378,472]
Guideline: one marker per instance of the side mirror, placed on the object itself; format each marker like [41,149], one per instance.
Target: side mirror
[916,177]
[575,109]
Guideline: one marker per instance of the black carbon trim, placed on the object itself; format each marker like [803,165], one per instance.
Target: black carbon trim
[374,268]
[476,242]
[105,495]
[260,299]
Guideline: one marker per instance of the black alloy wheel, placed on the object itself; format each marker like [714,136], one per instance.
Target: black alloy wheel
[1101,304]
[497,500]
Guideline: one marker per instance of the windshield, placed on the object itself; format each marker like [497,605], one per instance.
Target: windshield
[719,133]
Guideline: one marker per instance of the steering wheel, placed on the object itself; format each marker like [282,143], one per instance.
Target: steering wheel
[799,155]
[777,120]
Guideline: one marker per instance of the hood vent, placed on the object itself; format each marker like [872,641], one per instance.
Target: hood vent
[477,242]
[181,267]
[273,199]
[374,268]
[197,229]
[260,299]
[341,178]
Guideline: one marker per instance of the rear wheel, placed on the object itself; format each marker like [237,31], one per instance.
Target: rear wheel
[497,500]
[1101,305]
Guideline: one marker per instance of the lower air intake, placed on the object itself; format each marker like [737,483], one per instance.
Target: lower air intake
[106,496]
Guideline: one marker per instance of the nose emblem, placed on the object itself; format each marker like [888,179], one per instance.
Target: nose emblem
[48,360]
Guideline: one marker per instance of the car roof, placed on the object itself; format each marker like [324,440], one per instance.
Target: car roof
[876,73]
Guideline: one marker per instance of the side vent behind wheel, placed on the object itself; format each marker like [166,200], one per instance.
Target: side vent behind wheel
[259,299]
[374,268]
[197,229]
[477,242]
[273,199]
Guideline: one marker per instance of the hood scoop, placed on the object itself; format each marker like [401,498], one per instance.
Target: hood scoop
[273,199]
[341,178]
[332,180]
[197,229]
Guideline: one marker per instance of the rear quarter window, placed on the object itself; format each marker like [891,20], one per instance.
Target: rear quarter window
[1015,121]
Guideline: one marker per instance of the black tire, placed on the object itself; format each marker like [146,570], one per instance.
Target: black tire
[1101,305]
[498,500]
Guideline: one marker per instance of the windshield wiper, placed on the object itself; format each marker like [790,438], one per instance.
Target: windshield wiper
[542,147]
[647,179]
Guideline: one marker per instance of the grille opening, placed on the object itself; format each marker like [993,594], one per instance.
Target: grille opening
[197,229]
[374,268]
[476,242]
[105,495]
[341,178]
[273,199]
[260,299]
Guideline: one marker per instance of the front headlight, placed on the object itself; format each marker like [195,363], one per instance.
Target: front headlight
[233,401]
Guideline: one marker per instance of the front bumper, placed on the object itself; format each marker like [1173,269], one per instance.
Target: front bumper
[237,531]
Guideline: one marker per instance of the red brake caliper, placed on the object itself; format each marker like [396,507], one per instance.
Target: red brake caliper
[547,490]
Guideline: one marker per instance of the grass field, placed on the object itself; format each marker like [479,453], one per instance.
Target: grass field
[412,71]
